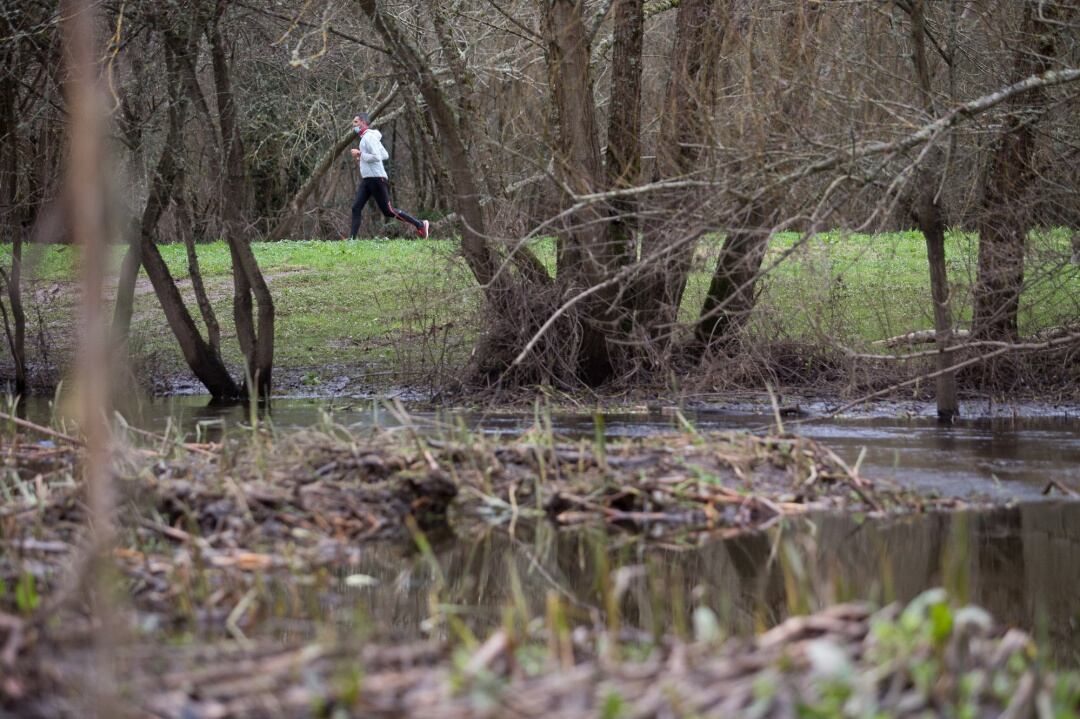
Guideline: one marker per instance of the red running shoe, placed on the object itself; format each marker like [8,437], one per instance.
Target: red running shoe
[422,230]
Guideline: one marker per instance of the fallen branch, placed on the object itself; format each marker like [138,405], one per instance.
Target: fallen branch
[1054,484]
[25,424]
[918,337]
[1000,349]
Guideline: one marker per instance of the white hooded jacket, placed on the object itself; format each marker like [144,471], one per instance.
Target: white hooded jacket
[372,154]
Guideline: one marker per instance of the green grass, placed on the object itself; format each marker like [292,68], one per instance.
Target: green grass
[857,288]
[337,303]
[350,303]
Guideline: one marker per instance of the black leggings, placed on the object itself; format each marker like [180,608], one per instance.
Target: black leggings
[378,188]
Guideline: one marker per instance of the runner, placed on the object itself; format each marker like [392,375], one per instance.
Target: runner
[373,181]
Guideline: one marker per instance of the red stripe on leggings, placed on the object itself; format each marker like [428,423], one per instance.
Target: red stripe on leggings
[388,204]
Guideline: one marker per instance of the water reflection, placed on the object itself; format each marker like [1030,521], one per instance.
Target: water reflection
[1020,563]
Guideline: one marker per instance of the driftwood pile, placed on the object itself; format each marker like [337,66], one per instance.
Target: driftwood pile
[320,489]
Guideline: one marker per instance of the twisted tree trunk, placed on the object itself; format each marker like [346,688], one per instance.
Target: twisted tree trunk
[199,355]
[256,342]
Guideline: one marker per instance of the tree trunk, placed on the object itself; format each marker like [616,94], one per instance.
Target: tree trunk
[624,123]
[587,255]
[213,329]
[732,290]
[257,342]
[129,273]
[927,212]
[684,130]
[9,127]
[933,229]
[17,338]
[199,356]
[1005,219]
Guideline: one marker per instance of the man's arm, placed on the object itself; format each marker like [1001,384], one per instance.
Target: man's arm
[378,152]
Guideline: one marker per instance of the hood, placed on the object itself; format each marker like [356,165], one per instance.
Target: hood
[373,134]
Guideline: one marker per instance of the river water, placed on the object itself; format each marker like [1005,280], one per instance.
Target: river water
[1020,560]
[1001,458]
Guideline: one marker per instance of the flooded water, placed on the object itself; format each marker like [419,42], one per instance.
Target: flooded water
[1021,561]
[1000,458]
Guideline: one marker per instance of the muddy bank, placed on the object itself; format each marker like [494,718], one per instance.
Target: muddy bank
[1002,458]
[438,386]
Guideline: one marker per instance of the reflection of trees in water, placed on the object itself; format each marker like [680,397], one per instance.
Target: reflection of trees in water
[997,564]
[1021,563]
[1018,562]
[1051,564]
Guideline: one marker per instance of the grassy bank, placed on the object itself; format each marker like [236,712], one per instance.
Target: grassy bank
[391,309]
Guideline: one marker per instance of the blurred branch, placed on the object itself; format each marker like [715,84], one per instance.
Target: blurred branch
[310,25]
[25,424]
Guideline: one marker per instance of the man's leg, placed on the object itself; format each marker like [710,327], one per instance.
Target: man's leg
[382,197]
[362,194]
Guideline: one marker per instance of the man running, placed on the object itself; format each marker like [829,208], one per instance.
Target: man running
[373,182]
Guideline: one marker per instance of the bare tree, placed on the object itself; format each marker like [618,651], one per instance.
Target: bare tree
[256,338]
[686,131]
[1005,220]
[926,209]
[204,361]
